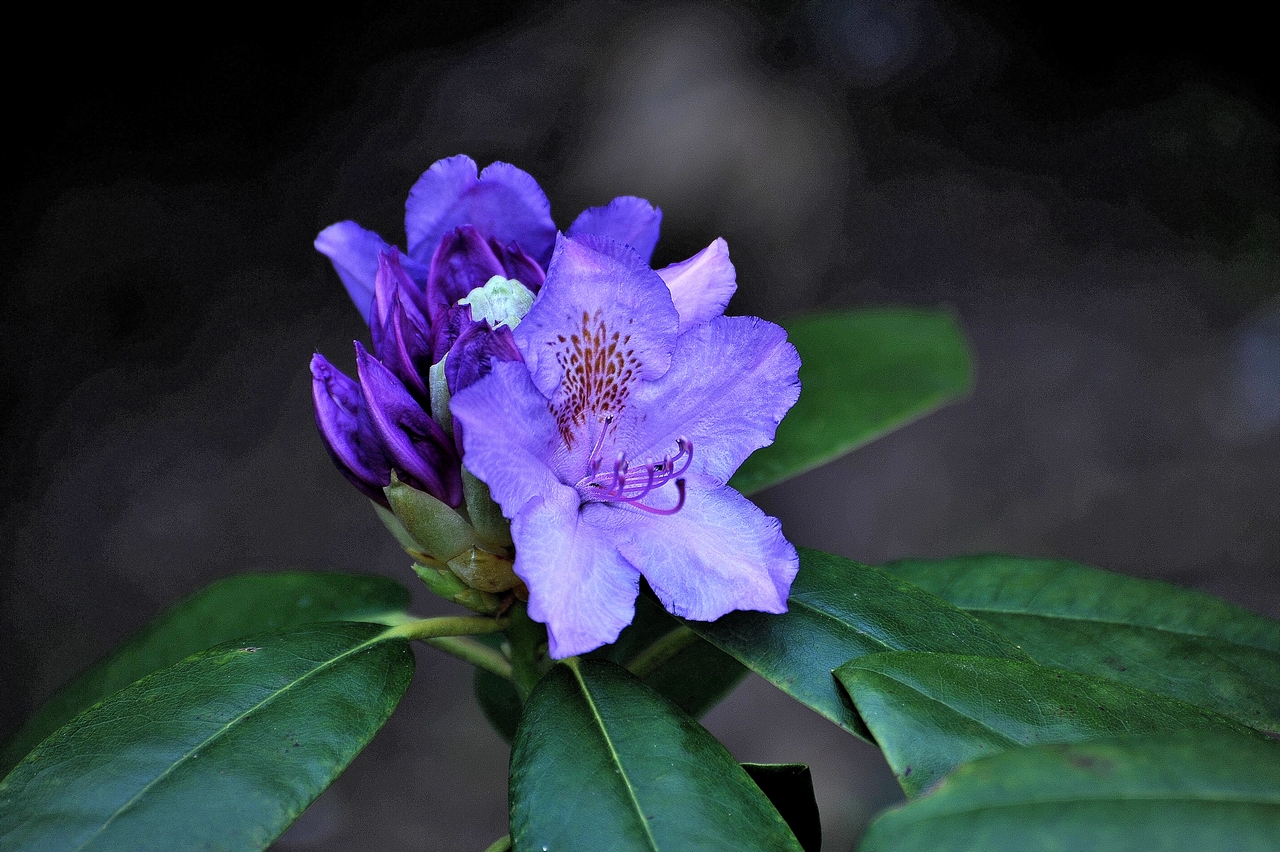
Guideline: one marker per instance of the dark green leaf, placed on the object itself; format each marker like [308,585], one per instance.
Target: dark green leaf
[1142,633]
[863,373]
[1192,791]
[789,787]
[221,750]
[230,608]
[696,678]
[840,610]
[932,712]
[603,762]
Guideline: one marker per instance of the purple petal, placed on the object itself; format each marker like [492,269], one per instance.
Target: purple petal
[463,261]
[518,265]
[718,554]
[393,285]
[347,432]
[406,349]
[597,289]
[509,436]
[354,253]
[502,202]
[626,219]
[414,442]
[472,354]
[702,285]
[730,383]
[444,333]
[579,586]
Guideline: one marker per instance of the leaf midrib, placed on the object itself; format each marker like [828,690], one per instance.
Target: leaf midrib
[223,731]
[613,753]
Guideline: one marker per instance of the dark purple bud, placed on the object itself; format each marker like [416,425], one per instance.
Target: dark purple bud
[406,351]
[347,429]
[518,265]
[472,356]
[463,261]
[446,331]
[391,285]
[414,443]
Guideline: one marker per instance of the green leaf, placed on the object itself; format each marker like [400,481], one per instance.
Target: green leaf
[1191,791]
[603,762]
[1143,633]
[695,679]
[862,374]
[840,610]
[789,787]
[232,607]
[932,712]
[221,750]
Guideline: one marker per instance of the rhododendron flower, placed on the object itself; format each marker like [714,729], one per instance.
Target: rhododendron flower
[610,444]
[477,247]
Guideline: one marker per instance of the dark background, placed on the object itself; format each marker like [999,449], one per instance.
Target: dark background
[1093,190]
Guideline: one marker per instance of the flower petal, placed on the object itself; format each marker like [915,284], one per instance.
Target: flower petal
[502,202]
[463,261]
[719,553]
[472,354]
[344,425]
[595,289]
[354,252]
[414,442]
[579,586]
[702,285]
[518,265]
[509,435]
[731,381]
[627,219]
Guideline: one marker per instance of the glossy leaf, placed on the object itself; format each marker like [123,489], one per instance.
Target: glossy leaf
[1143,633]
[695,679]
[932,712]
[603,762]
[1192,791]
[863,373]
[232,607]
[221,750]
[840,610]
[789,787]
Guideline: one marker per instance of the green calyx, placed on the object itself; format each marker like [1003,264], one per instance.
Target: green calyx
[501,301]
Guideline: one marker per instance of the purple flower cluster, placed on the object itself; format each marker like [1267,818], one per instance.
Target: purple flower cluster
[603,403]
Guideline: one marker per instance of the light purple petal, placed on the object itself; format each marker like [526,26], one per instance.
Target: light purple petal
[702,285]
[414,442]
[731,381]
[719,553]
[626,219]
[344,425]
[597,289]
[354,252]
[502,202]
[508,435]
[579,586]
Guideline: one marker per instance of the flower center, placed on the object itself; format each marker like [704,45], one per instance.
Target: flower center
[501,301]
[630,484]
[597,366]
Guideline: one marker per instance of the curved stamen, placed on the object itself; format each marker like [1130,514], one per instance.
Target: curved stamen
[623,485]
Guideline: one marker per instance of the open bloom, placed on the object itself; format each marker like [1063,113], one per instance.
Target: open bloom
[477,247]
[610,444]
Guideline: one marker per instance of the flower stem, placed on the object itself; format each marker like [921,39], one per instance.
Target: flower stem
[451,625]
[502,844]
[477,654]
[652,658]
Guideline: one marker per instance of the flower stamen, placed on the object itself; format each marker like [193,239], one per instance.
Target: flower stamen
[624,485]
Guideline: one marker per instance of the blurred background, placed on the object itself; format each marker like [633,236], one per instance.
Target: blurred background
[1094,196]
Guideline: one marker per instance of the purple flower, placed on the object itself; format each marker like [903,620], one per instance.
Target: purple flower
[464,228]
[609,445]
